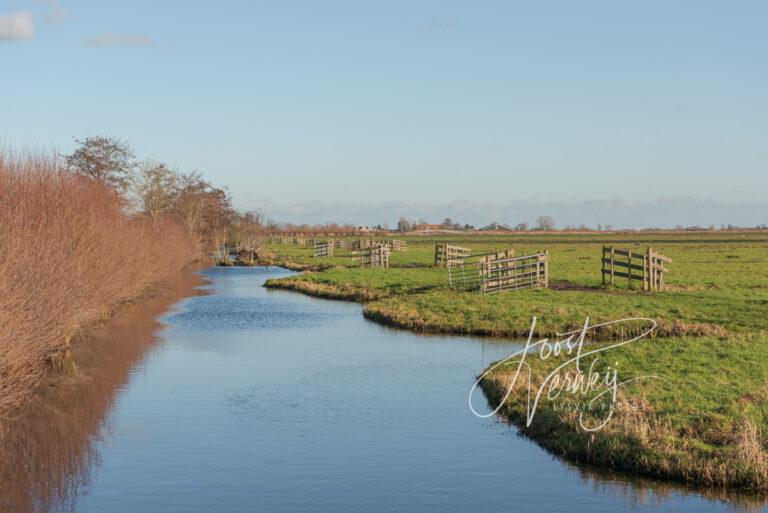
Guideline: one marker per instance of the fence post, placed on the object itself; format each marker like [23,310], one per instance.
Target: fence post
[602,260]
[629,268]
[613,255]
[651,270]
[645,266]
[546,270]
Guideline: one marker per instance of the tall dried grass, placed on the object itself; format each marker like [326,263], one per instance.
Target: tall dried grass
[69,254]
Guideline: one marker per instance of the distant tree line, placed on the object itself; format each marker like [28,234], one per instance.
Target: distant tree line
[546,223]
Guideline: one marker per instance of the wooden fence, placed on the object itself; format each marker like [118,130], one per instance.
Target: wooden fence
[447,256]
[499,271]
[523,272]
[360,244]
[468,272]
[398,245]
[377,256]
[324,249]
[647,267]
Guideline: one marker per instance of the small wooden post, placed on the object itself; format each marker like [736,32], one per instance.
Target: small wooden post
[602,260]
[661,280]
[629,268]
[646,286]
[546,269]
[613,256]
[651,270]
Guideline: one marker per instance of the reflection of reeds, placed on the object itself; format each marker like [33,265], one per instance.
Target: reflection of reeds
[47,453]
[68,255]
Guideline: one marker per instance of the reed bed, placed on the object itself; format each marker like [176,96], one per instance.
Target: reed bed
[70,253]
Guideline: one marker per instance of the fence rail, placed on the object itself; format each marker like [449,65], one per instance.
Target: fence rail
[647,267]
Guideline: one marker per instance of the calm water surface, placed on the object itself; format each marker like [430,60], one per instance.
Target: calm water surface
[260,400]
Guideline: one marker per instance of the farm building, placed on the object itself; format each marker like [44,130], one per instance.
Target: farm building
[496,227]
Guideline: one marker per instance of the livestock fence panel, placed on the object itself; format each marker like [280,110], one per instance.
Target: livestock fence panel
[377,256]
[398,245]
[647,267]
[500,270]
[360,244]
[447,255]
[324,249]
[523,272]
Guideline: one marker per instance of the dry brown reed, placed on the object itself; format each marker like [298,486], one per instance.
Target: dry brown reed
[69,254]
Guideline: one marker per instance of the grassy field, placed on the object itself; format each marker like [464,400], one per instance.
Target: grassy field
[705,422]
[718,284]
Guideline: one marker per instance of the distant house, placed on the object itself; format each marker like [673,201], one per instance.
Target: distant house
[496,227]
[363,229]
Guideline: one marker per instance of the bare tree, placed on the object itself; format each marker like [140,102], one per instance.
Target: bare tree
[403,225]
[104,159]
[156,187]
[247,228]
[545,223]
[191,200]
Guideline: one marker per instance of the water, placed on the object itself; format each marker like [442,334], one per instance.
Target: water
[261,400]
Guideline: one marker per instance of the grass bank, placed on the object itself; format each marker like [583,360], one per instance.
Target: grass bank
[71,255]
[705,423]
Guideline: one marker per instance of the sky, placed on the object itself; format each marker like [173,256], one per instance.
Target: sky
[634,114]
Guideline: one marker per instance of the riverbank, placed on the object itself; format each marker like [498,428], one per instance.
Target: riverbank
[701,421]
[703,424]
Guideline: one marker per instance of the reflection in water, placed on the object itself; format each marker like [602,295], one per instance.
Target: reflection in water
[48,453]
[638,493]
[273,401]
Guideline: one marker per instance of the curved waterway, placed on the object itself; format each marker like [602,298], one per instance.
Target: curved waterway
[248,399]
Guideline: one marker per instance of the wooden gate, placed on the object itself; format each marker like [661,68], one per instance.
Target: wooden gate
[523,272]
[377,256]
[398,245]
[647,267]
[499,271]
[447,256]
[324,249]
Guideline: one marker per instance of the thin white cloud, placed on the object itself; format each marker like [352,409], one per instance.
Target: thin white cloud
[17,26]
[111,39]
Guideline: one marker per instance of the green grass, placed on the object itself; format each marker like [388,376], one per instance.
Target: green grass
[718,282]
[705,423]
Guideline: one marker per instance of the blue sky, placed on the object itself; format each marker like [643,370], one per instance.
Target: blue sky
[320,107]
